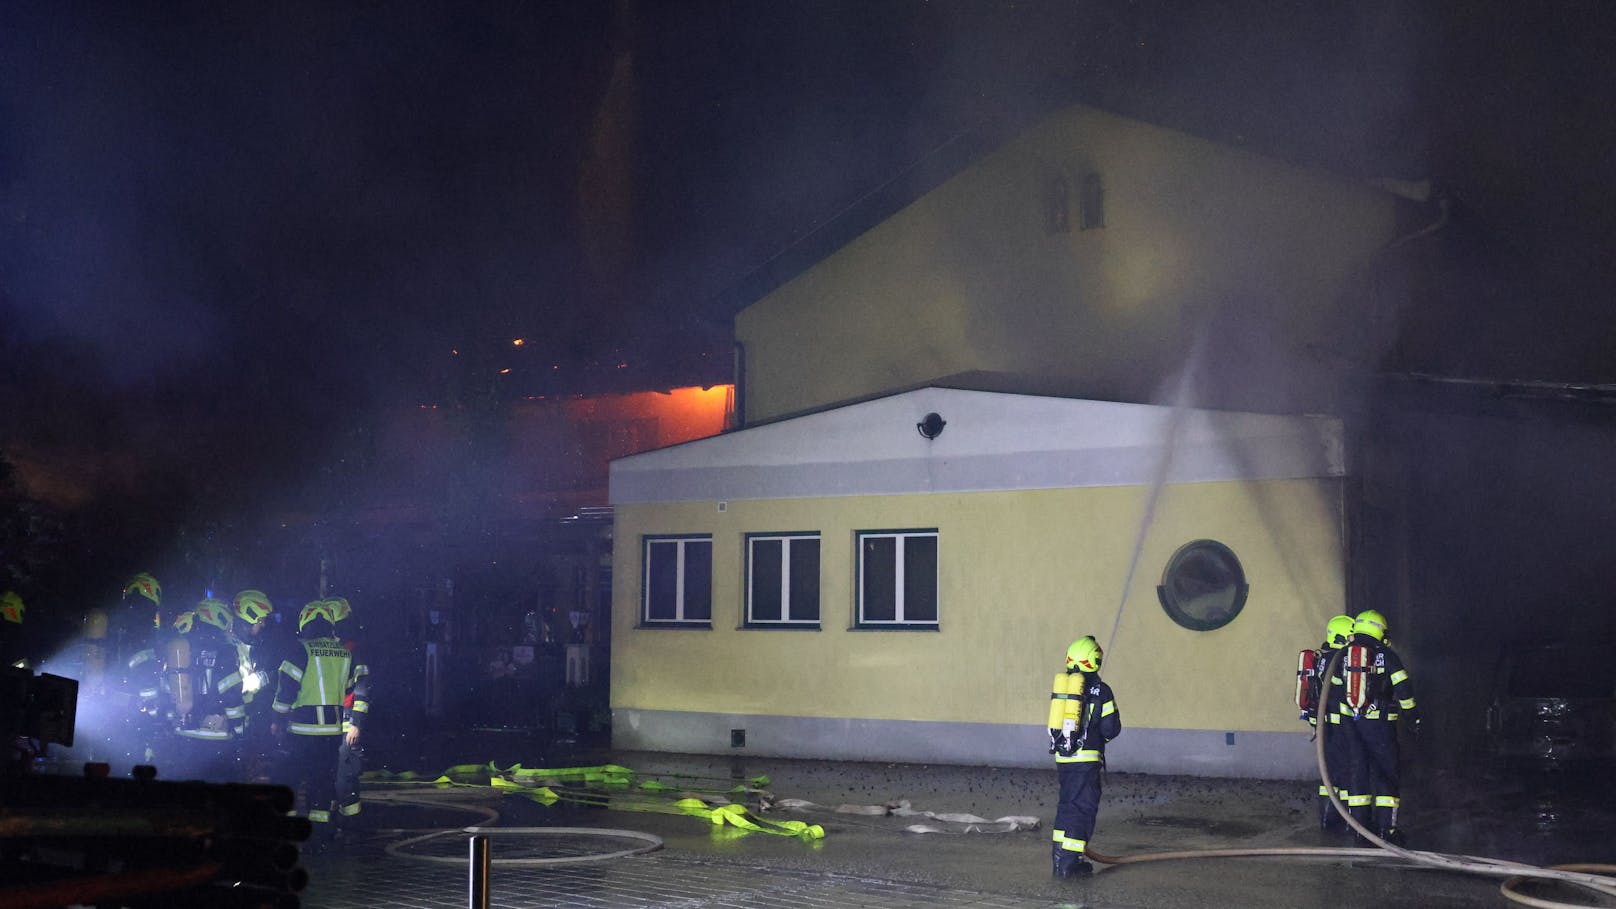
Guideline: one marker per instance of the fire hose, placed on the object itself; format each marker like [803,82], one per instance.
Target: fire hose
[1514,873]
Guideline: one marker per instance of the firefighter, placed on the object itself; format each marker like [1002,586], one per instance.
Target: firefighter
[1339,745]
[1388,696]
[133,637]
[203,676]
[312,687]
[351,753]
[1082,718]
[17,750]
[260,657]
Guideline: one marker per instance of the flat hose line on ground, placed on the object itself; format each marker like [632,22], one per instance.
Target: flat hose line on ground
[424,799]
[649,843]
[1516,873]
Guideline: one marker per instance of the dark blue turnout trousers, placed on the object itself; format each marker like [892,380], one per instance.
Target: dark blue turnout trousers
[1376,784]
[1079,802]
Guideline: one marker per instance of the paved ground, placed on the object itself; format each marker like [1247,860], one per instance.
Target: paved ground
[870,861]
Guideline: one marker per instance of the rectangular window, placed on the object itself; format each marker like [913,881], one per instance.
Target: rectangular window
[678,581]
[897,578]
[782,580]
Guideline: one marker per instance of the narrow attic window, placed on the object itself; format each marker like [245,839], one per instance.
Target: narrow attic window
[1092,205]
[1057,206]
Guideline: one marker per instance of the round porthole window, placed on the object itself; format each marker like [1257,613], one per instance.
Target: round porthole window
[1203,586]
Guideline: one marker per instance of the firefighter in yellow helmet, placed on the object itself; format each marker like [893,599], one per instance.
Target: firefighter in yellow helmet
[133,635]
[1340,748]
[1383,695]
[312,695]
[260,650]
[1082,718]
[203,677]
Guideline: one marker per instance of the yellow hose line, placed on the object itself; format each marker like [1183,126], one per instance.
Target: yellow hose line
[548,786]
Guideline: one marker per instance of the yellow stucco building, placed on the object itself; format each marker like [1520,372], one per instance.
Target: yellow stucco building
[958,456]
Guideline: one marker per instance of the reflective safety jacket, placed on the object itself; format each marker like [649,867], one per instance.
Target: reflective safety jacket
[315,694]
[1089,703]
[1391,694]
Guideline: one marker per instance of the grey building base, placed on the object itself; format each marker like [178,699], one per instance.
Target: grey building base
[1258,755]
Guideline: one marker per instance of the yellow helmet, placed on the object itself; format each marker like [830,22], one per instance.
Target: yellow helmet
[145,585]
[252,606]
[184,621]
[1371,623]
[1084,655]
[213,611]
[1338,631]
[316,609]
[11,607]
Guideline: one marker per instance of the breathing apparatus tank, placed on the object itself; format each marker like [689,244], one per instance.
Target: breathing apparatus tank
[1066,705]
[177,673]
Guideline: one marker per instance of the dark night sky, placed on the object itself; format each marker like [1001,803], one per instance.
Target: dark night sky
[231,228]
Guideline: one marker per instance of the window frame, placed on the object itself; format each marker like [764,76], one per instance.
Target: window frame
[682,539]
[898,622]
[1239,594]
[786,538]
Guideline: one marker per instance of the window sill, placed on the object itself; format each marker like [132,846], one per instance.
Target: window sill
[780,626]
[898,626]
[704,626]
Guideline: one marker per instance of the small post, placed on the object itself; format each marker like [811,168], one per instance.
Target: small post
[480,862]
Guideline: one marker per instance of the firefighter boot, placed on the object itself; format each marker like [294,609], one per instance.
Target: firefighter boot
[1071,864]
[1329,819]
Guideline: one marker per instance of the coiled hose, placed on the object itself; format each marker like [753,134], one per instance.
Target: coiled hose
[1514,873]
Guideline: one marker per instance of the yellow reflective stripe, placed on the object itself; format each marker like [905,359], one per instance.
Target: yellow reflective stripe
[350,810]
[1059,835]
[313,729]
[1399,677]
[235,713]
[1406,703]
[1074,846]
[228,682]
[293,670]
[1387,801]
[1086,756]
[1358,801]
[1109,708]
[320,817]
[361,706]
[203,734]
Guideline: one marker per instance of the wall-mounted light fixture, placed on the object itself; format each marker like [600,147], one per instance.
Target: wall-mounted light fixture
[931,425]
